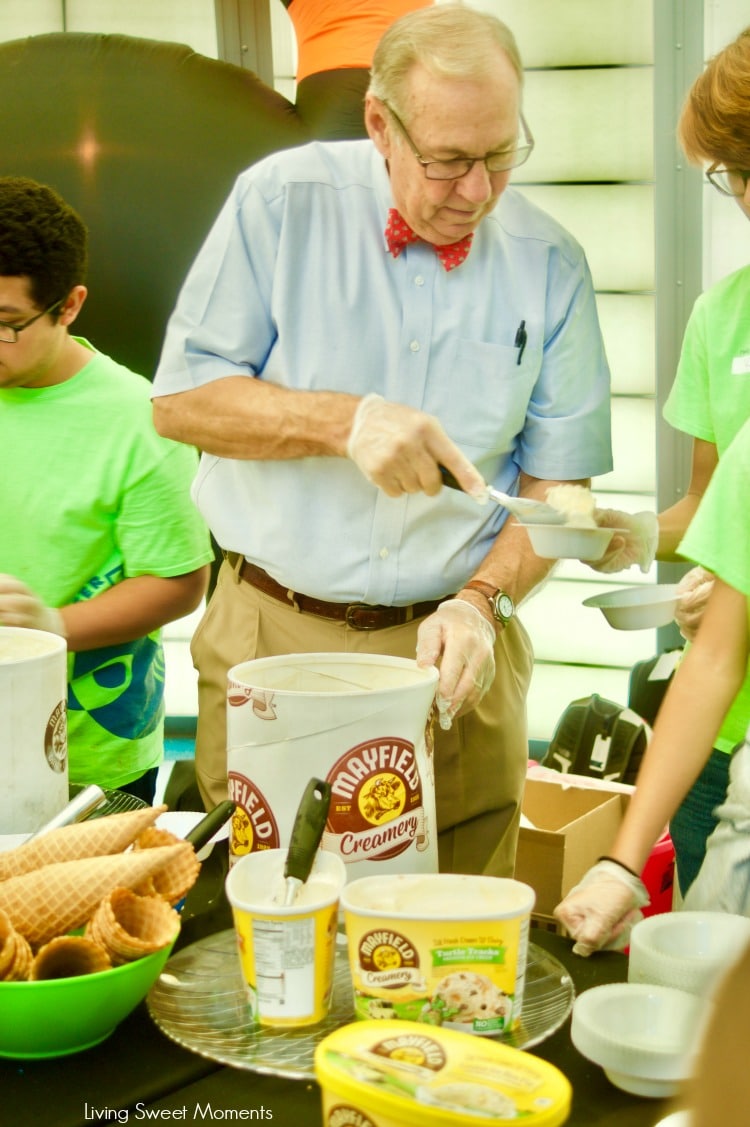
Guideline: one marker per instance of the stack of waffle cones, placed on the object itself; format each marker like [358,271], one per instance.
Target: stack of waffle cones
[15,953]
[128,926]
[67,956]
[116,876]
[95,838]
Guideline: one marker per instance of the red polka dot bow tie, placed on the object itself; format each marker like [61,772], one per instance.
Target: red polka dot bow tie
[398,234]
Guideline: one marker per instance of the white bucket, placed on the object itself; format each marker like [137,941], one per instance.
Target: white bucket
[360,721]
[33,728]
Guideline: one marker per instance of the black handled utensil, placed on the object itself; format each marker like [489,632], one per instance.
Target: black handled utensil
[208,826]
[307,831]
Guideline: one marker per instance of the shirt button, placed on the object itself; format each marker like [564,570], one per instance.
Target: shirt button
[384,553]
[419,280]
[414,346]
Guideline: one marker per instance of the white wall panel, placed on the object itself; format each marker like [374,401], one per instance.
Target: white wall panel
[563,630]
[556,33]
[627,323]
[588,124]
[180,21]
[614,224]
[633,447]
[19,18]
[284,45]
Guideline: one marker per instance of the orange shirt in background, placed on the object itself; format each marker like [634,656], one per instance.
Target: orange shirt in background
[336,34]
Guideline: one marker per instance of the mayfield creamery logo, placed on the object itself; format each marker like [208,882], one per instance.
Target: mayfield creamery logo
[344,1115]
[56,738]
[253,825]
[412,1050]
[377,808]
[387,960]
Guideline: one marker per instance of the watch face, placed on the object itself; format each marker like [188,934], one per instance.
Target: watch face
[504,605]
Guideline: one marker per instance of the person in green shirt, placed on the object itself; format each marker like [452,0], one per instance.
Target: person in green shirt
[710,401]
[101,542]
[600,909]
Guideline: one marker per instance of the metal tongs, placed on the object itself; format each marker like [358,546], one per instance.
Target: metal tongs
[525,508]
[77,810]
[307,831]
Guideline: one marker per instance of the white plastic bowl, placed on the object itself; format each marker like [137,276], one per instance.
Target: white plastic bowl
[644,1037]
[637,608]
[686,950]
[566,541]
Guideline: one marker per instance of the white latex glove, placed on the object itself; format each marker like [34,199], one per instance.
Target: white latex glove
[399,449]
[461,640]
[693,589]
[637,545]
[20,607]
[601,909]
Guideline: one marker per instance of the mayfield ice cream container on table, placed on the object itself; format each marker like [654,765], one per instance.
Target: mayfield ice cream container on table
[33,728]
[362,723]
[399,1074]
[443,949]
[286,951]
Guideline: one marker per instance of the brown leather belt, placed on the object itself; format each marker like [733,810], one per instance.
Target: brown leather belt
[359,616]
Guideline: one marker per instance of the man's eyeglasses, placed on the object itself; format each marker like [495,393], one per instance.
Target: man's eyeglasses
[457,167]
[729,181]
[9,333]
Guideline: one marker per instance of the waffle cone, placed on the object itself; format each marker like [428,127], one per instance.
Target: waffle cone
[93,838]
[64,895]
[174,880]
[68,956]
[129,926]
[15,953]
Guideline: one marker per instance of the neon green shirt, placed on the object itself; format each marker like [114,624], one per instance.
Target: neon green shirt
[710,399]
[91,495]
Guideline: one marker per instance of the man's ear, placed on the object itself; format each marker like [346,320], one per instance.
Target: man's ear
[378,125]
[71,307]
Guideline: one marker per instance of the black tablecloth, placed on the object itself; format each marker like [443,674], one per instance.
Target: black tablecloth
[140,1076]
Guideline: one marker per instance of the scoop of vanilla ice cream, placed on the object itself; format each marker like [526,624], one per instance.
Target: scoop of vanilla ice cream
[576,501]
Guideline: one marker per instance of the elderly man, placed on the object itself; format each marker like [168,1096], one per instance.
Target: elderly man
[362,314]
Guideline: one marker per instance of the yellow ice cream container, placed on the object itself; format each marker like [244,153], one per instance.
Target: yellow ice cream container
[403,1074]
[447,949]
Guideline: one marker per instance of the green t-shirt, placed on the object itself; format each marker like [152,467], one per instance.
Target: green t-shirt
[91,494]
[718,538]
[710,400]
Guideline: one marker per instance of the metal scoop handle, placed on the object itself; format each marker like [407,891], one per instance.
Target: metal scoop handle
[525,508]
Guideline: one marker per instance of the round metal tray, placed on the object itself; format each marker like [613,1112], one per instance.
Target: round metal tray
[199,1001]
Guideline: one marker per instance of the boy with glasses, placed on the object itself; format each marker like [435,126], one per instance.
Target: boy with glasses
[100,541]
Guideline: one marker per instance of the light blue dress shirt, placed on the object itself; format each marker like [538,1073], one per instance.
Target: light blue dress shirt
[294,284]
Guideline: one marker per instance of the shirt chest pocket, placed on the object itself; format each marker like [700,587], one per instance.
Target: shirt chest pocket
[483,396]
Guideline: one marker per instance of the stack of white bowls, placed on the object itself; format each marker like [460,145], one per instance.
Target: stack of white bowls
[646,1033]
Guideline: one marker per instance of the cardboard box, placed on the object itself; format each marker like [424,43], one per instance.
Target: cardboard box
[574,826]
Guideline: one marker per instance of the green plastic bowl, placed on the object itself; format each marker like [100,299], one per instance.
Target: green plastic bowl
[59,1016]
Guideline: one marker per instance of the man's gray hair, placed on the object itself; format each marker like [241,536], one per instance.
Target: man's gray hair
[449,40]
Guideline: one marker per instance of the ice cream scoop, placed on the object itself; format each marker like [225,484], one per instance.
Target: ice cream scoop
[307,831]
[525,508]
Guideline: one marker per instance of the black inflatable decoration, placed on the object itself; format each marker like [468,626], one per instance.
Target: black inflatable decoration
[145,139]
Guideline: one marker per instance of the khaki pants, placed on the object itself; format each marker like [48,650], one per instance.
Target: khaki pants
[480,764]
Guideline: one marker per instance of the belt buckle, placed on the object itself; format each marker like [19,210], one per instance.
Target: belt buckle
[349,617]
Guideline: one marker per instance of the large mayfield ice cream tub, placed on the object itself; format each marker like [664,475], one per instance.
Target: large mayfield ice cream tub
[400,1074]
[439,948]
[363,723]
